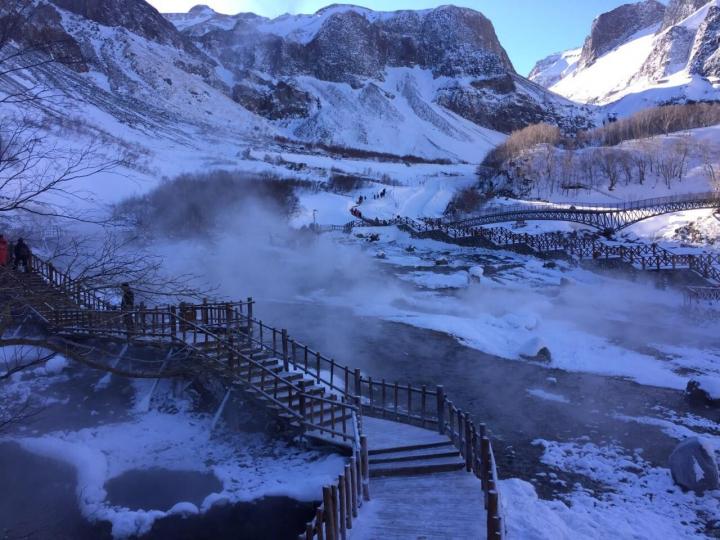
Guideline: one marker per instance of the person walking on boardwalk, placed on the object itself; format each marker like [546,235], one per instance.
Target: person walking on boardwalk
[4,251]
[23,255]
[127,306]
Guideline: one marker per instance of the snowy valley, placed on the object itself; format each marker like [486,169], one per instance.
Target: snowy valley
[369,275]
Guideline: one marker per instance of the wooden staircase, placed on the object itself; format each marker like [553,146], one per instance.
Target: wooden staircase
[310,394]
[427,458]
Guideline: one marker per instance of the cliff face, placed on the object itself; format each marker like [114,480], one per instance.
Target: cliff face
[434,83]
[471,72]
[347,44]
[615,27]
[677,10]
[662,54]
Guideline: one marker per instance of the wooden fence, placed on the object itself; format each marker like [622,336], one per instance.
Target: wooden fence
[342,499]
[227,337]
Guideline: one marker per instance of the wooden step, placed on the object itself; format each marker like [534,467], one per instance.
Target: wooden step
[418,466]
[410,448]
[283,393]
[413,455]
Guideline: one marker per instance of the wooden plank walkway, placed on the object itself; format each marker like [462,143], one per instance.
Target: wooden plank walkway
[427,483]
[421,501]
[385,434]
[441,506]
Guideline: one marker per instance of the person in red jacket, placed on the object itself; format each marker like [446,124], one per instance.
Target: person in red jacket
[3,251]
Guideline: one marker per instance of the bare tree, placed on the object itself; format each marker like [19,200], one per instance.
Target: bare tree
[710,155]
[609,165]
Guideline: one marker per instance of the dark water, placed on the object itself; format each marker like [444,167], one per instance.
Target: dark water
[160,489]
[494,390]
[39,502]
[38,499]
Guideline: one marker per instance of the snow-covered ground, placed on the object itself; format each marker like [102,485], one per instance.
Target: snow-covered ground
[626,79]
[248,465]
[634,499]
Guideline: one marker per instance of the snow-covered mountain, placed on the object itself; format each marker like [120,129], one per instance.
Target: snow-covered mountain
[433,83]
[555,67]
[642,54]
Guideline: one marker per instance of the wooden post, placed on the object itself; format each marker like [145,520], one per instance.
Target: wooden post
[365,467]
[358,383]
[343,507]
[338,521]
[468,445]
[476,452]
[354,486]
[286,363]
[492,509]
[309,531]
[423,403]
[409,401]
[329,513]
[249,321]
[319,518]
[228,317]
[349,511]
[441,409]
[384,398]
[485,459]
[358,473]
[302,397]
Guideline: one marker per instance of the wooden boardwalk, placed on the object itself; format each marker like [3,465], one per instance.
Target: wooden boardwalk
[419,488]
[441,506]
[423,454]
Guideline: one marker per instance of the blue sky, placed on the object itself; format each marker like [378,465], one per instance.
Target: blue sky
[528,29]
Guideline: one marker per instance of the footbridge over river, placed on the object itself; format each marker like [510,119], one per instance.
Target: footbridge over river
[603,216]
[429,465]
[643,256]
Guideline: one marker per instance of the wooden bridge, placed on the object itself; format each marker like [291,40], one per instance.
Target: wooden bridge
[603,216]
[639,255]
[402,435]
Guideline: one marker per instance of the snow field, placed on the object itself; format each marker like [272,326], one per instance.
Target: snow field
[250,466]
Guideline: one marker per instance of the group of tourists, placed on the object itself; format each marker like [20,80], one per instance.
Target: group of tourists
[379,195]
[16,254]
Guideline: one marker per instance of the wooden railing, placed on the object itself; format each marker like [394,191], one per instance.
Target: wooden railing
[230,330]
[545,210]
[216,331]
[61,281]
[405,403]
[342,499]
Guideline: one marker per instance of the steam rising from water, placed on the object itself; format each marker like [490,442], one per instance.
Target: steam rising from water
[593,323]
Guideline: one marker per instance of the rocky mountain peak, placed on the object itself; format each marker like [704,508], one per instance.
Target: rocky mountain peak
[677,10]
[202,9]
[614,28]
[137,16]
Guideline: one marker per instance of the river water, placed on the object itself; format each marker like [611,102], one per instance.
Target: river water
[496,391]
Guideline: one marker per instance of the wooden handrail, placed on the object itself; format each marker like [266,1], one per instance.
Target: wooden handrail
[168,323]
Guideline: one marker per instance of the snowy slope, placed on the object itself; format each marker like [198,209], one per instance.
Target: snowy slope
[610,76]
[666,62]
[555,67]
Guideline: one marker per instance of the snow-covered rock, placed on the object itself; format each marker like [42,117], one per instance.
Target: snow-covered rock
[615,27]
[456,47]
[555,67]
[693,466]
[535,349]
[643,54]
[703,390]
[476,273]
